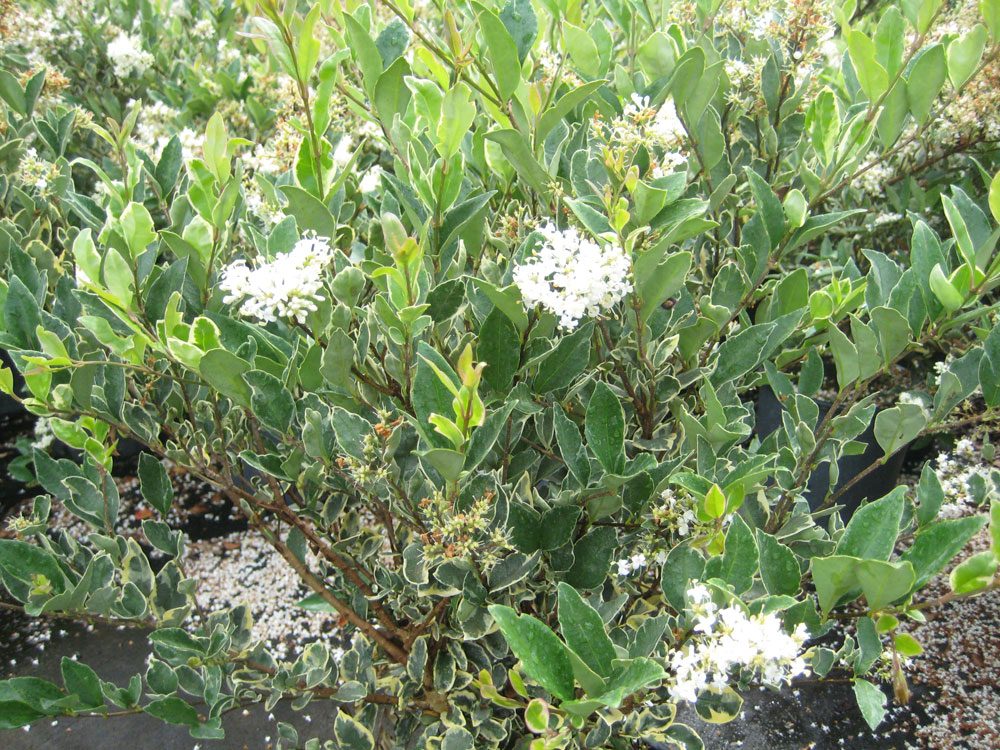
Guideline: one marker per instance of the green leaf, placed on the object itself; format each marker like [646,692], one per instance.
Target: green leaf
[930,495]
[518,152]
[871,701]
[351,734]
[716,706]
[502,51]
[605,429]
[448,462]
[224,372]
[683,565]
[392,95]
[519,18]
[500,348]
[173,710]
[565,362]
[925,81]
[893,332]
[14,713]
[542,653]
[12,93]
[483,438]
[715,502]
[740,559]
[365,53]
[582,50]
[137,228]
[457,738]
[991,14]
[945,292]
[507,299]
[893,115]
[83,682]
[637,674]
[536,716]
[155,484]
[215,148]
[562,107]
[779,568]
[834,577]
[989,368]
[739,354]
[769,206]
[884,582]
[874,78]
[897,426]
[936,545]
[845,357]
[659,277]
[974,573]
[271,402]
[391,43]
[23,561]
[583,629]
[571,446]
[557,526]
[457,114]
[869,645]
[965,53]
[592,558]
[118,277]
[872,531]
[310,214]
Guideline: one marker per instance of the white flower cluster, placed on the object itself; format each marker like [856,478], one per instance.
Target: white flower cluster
[127,56]
[258,205]
[573,276]
[157,124]
[657,129]
[638,561]
[370,180]
[44,437]
[874,180]
[728,639]
[278,153]
[35,172]
[288,286]
[956,475]
[675,514]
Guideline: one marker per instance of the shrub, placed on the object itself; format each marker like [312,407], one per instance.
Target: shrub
[464,307]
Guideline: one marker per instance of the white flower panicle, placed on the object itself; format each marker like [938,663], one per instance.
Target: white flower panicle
[35,172]
[288,286]
[727,639]
[127,56]
[572,276]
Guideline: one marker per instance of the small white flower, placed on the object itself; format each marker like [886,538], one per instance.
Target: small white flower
[127,56]
[638,561]
[345,149]
[43,434]
[624,567]
[371,180]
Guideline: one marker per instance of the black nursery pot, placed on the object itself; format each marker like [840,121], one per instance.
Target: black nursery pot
[876,484]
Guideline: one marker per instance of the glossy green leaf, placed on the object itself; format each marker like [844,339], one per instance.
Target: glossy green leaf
[584,632]
[605,429]
[542,653]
